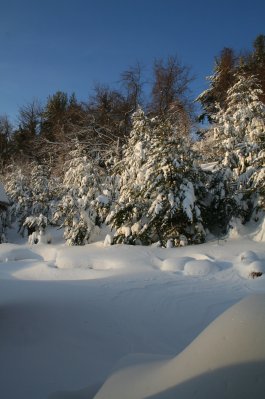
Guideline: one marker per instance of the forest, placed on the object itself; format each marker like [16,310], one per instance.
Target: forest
[149,166]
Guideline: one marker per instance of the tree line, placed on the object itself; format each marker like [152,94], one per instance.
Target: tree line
[134,164]
[45,133]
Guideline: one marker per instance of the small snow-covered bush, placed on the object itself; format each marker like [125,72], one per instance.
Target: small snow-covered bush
[108,240]
[36,226]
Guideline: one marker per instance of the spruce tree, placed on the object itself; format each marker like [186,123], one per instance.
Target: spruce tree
[158,191]
[237,140]
[172,185]
[32,193]
[84,197]
[17,185]
[221,80]
[129,209]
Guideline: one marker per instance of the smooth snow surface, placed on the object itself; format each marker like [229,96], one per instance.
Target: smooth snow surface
[68,315]
[227,360]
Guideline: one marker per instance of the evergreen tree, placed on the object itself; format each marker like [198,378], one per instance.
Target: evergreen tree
[80,209]
[45,190]
[158,191]
[17,187]
[221,80]
[6,131]
[237,140]
[32,193]
[53,117]
[129,173]
[254,63]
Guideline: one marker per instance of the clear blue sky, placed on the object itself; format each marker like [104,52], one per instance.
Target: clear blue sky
[69,45]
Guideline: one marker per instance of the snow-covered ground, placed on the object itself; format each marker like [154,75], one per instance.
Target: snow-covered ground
[69,315]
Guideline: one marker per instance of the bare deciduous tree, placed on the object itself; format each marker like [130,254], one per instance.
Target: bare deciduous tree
[132,81]
[171,80]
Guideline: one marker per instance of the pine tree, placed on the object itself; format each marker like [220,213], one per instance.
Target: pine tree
[172,184]
[44,190]
[17,187]
[32,193]
[80,209]
[128,209]
[158,200]
[237,139]
[254,63]
[221,80]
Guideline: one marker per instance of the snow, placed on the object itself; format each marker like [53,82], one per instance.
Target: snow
[226,360]
[260,234]
[250,263]
[103,199]
[3,196]
[209,167]
[69,315]
[200,267]
[189,199]
[108,240]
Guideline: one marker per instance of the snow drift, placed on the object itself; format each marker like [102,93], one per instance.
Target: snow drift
[227,360]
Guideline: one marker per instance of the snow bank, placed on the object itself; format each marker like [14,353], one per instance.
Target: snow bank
[87,258]
[226,360]
[253,229]
[260,234]
[12,252]
[200,267]
[175,264]
[99,257]
[249,265]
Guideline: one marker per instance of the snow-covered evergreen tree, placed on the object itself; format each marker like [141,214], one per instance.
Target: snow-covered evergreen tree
[37,226]
[172,184]
[237,140]
[158,187]
[17,185]
[45,190]
[81,209]
[32,192]
[129,209]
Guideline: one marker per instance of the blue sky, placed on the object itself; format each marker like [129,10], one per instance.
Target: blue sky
[70,45]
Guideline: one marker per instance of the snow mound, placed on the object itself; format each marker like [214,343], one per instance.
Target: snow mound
[175,264]
[247,257]
[200,267]
[251,270]
[197,265]
[10,252]
[99,257]
[253,229]
[260,234]
[227,360]
[249,265]
[80,258]
[201,256]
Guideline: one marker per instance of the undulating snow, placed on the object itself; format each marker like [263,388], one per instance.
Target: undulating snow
[227,360]
[70,314]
